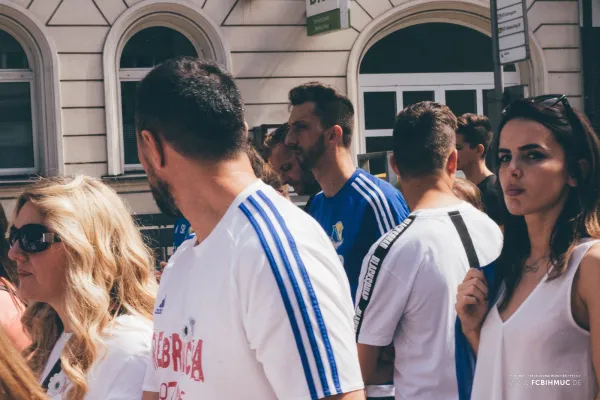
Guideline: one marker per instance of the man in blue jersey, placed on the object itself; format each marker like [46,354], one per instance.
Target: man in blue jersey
[355,208]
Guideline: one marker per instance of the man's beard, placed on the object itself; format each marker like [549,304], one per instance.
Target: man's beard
[163,198]
[309,158]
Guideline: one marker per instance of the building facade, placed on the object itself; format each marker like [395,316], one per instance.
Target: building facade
[68,70]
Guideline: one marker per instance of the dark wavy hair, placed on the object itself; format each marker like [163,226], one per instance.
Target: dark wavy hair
[579,217]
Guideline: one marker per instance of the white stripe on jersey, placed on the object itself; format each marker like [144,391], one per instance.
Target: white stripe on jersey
[383,200]
[378,201]
[382,230]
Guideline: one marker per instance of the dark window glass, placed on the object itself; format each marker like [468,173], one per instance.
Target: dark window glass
[128,111]
[153,46]
[430,48]
[380,110]
[462,101]
[16,131]
[413,97]
[12,55]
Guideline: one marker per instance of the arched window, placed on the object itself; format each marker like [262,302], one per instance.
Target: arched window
[18,136]
[443,62]
[146,49]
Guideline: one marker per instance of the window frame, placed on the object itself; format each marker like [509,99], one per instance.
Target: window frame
[42,56]
[187,19]
[20,76]
[435,82]
[137,74]
[129,75]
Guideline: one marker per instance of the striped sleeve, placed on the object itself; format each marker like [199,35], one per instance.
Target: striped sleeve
[298,309]
[388,210]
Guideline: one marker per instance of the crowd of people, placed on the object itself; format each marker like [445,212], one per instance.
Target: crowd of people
[436,288]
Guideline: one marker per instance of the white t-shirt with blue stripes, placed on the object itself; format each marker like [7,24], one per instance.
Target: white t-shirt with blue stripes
[261,309]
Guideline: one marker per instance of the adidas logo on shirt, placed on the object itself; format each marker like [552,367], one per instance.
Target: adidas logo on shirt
[160,307]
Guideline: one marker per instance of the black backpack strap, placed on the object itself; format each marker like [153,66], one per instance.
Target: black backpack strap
[465,238]
[55,370]
[375,263]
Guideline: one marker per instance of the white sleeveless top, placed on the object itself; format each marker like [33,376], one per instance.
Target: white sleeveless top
[539,353]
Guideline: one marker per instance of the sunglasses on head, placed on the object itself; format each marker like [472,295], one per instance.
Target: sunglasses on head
[548,100]
[32,238]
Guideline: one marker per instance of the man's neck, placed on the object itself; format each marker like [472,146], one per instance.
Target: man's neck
[477,172]
[429,192]
[333,172]
[205,193]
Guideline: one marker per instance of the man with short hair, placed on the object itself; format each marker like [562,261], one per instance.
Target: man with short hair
[287,166]
[410,277]
[355,208]
[473,138]
[257,306]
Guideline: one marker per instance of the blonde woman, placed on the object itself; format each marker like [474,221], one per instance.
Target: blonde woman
[16,380]
[89,282]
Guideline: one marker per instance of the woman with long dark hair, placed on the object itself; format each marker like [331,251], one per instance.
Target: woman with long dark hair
[541,338]
[11,306]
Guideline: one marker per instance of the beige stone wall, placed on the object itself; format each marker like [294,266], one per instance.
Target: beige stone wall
[270,53]
[555,24]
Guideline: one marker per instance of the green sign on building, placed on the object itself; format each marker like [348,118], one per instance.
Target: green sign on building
[327,16]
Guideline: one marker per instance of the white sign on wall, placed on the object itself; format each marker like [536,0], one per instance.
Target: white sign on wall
[513,37]
[327,15]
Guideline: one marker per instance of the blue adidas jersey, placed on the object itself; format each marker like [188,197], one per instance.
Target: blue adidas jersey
[182,232]
[357,216]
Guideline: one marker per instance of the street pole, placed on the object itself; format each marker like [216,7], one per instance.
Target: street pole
[496,109]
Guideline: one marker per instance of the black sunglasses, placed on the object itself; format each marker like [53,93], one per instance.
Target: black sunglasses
[32,238]
[548,100]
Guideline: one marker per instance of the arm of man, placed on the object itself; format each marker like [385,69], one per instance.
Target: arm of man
[150,396]
[588,314]
[381,299]
[298,313]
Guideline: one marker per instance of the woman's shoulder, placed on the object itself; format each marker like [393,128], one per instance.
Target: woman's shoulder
[128,335]
[588,274]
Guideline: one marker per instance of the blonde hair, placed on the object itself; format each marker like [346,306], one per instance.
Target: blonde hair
[109,272]
[16,380]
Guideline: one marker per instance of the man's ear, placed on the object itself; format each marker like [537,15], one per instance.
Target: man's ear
[337,133]
[452,162]
[480,149]
[154,152]
[584,170]
[246,129]
[393,164]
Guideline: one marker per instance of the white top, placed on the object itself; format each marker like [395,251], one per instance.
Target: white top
[539,353]
[410,297]
[261,309]
[119,371]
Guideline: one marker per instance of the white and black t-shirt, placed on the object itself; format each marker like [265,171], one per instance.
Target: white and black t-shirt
[261,309]
[120,368]
[408,296]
